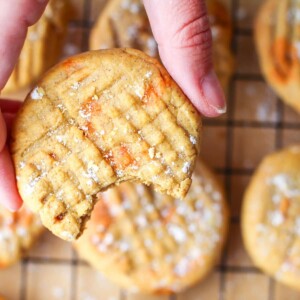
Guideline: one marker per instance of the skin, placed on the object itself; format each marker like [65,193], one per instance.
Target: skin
[184,45]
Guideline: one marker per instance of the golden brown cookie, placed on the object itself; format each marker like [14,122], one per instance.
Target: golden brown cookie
[277,35]
[271,216]
[42,48]
[18,231]
[221,28]
[124,23]
[96,120]
[152,243]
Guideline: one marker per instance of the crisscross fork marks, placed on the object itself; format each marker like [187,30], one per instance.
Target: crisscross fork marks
[138,219]
[89,100]
[122,113]
[64,171]
[142,213]
[100,142]
[150,118]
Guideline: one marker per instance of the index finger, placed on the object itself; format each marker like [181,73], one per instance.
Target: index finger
[15,18]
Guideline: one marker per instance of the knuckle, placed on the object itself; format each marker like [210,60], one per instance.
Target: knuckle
[194,33]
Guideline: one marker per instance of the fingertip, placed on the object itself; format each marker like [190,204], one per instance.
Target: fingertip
[197,80]
[210,112]
[14,204]
[207,109]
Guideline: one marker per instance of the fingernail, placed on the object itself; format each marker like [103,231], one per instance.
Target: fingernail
[213,93]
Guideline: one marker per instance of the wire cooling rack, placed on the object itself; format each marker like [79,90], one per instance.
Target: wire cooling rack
[256,124]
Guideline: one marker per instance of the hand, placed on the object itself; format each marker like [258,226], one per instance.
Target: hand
[15,17]
[181,29]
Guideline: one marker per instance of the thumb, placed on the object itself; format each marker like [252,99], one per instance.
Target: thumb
[181,29]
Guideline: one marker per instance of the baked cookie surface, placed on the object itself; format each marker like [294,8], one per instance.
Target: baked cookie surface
[152,243]
[124,23]
[95,120]
[42,47]
[277,35]
[270,216]
[221,28]
[18,231]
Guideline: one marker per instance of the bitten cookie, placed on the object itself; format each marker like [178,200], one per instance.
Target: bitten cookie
[42,47]
[277,35]
[18,231]
[271,216]
[124,23]
[152,243]
[95,120]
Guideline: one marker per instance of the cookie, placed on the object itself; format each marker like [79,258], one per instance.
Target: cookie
[277,36]
[271,216]
[42,47]
[18,231]
[151,243]
[221,28]
[124,23]
[96,120]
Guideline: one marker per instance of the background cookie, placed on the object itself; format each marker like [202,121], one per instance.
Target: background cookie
[270,216]
[18,231]
[277,35]
[124,23]
[151,243]
[95,120]
[42,47]
[221,28]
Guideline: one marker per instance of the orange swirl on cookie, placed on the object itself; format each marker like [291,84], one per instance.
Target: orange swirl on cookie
[277,35]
